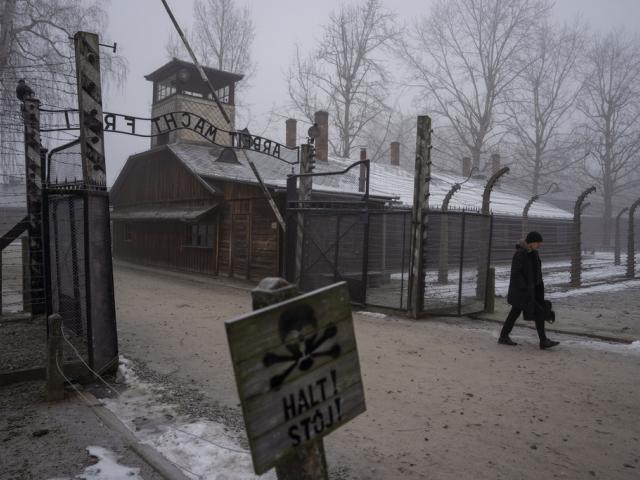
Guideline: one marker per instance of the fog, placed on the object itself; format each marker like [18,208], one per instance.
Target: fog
[141,29]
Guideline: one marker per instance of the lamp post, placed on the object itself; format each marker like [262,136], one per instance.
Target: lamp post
[443,258]
[527,207]
[576,254]
[631,246]
[616,248]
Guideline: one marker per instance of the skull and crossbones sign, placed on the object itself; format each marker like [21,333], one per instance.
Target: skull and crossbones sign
[296,327]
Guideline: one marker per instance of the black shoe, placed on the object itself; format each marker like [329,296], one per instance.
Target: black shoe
[506,341]
[546,343]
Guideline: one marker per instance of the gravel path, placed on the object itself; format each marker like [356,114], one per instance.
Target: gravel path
[444,401]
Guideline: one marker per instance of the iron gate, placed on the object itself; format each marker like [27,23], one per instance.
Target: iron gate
[333,249]
[78,262]
[457,254]
[327,235]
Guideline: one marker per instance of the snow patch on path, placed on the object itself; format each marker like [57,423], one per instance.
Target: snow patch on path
[202,449]
[366,313]
[107,467]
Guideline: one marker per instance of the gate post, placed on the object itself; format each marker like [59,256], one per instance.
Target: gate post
[101,315]
[33,158]
[304,195]
[616,248]
[307,462]
[461,266]
[26,274]
[55,360]
[490,301]
[418,215]
[631,245]
[291,232]
[576,253]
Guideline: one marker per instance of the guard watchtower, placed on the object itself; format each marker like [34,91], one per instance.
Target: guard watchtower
[177,87]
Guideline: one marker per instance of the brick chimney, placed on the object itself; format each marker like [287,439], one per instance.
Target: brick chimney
[395,153]
[322,141]
[495,163]
[466,166]
[291,132]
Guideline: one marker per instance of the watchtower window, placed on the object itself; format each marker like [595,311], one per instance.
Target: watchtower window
[165,89]
[223,94]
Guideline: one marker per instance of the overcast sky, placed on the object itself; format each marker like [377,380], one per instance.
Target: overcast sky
[141,29]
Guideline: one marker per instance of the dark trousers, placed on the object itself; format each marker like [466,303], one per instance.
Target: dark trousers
[511,321]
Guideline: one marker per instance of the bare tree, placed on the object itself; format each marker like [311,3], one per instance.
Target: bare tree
[610,103]
[543,99]
[392,126]
[467,54]
[221,37]
[342,75]
[35,45]
[303,92]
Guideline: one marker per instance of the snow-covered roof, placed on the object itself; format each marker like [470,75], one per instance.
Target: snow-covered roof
[387,181]
[398,181]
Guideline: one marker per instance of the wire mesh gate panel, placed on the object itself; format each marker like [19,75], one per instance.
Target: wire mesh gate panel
[389,257]
[333,248]
[456,262]
[66,261]
[80,286]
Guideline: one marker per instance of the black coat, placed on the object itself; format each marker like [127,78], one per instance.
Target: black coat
[526,287]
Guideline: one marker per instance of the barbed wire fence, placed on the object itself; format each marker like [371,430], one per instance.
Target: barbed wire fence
[54,83]
[55,86]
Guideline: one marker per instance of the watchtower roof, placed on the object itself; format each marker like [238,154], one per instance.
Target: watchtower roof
[218,78]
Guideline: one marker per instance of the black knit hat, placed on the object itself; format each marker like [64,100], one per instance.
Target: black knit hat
[533,237]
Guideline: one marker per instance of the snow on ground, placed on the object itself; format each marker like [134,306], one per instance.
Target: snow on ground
[596,268]
[202,449]
[606,287]
[599,274]
[11,281]
[622,348]
[107,467]
[523,336]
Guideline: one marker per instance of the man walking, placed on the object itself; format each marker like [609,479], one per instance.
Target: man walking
[526,290]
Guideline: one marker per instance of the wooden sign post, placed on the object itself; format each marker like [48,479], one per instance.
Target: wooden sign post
[298,375]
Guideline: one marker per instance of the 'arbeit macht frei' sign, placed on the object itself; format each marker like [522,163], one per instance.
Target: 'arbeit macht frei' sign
[297,370]
[62,120]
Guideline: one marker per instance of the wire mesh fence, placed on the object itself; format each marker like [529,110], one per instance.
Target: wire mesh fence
[509,230]
[456,262]
[389,258]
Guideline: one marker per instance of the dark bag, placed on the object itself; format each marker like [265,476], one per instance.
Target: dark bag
[540,310]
